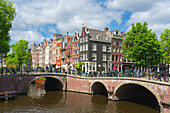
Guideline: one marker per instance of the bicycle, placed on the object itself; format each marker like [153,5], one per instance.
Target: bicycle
[166,77]
[158,75]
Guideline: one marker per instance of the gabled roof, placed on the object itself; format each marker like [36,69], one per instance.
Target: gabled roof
[93,33]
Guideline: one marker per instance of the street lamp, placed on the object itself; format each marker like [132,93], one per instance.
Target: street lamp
[69,63]
[79,64]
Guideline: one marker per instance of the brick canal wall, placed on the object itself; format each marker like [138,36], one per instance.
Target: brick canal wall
[78,84]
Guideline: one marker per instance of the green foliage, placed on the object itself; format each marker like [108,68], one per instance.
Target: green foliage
[165,41]
[78,66]
[43,78]
[7,15]
[142,46]
[10,61]
[19,55]
[37,64]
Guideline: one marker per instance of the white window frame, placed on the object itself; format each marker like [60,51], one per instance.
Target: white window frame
[108,48]
[80,40]
[108,57]
[80,47]
[86,57]
[95,47]
[103,48]
[86,47]
[104,57]
[95,56]
[86,38]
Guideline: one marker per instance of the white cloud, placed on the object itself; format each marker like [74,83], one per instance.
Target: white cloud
[158,18]
[67,15]
[130,5]
[155,12]
[30,36]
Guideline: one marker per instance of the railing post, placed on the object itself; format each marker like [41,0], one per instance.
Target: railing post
[139,74]
[149,75]
[160,76]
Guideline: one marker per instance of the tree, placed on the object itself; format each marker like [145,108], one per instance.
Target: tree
[165,41]
[7,15]
[142,46]
[20,54]
[78,66]
[10,61]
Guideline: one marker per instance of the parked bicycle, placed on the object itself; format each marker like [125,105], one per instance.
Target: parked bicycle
[159,75]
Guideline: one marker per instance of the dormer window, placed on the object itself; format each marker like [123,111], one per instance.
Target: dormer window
[98,36]
[116,32]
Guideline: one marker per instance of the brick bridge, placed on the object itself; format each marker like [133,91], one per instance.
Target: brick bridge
[156,93]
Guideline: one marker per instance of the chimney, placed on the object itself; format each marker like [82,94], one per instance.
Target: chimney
[55,34]
[67,33]
[121,33]
[106,29]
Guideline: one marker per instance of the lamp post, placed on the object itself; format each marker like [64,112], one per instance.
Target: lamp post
[69,63]
[79,64]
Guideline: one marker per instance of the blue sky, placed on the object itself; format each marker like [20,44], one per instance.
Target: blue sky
[40,19]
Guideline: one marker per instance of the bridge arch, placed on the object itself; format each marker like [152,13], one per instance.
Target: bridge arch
[52,83]
[98,87]
[132,91]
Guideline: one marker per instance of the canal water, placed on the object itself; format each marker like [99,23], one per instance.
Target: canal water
[38,100]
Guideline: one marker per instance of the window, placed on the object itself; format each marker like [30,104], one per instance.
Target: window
[117,42]
[86,57]
[108,48]
[86,38]
[120,49]
[86,47]
[73,52]
[120,42]
[113,48]
[90,66]
[69,43]
[94,47]
[83,47]
[104,57]
[116,57]
[113,57]
[94,56]
[116,49]
[104,66]
[98,36]
[113,41]
[94,66]
[108,57]
[83,56]
[104,48]
[73,61]
[80,47]
[120,58]
[80,40]
[116,32]
[83,39]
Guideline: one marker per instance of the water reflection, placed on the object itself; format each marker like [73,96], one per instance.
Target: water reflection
[38,100]
[36,90]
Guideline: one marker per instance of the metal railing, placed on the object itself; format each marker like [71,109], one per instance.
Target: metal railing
[161,76]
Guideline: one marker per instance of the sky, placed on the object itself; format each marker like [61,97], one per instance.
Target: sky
[40,19]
